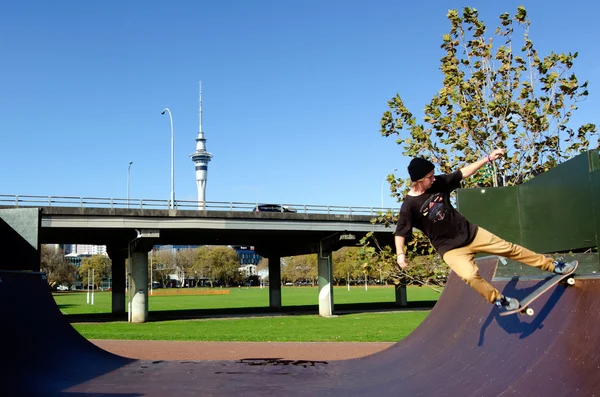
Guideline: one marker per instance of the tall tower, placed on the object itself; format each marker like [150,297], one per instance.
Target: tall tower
[201,158]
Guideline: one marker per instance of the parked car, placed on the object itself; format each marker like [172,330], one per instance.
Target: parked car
[62,288]
[273,208]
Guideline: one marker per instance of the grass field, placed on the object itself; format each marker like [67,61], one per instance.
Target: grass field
[75,303]
[356,327]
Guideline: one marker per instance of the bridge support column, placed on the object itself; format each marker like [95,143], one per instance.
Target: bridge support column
[118,258]
[401,295]
[275,282]
[325,282]
[139,287]
[138,274]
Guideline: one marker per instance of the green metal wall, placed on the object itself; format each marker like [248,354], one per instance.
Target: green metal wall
[494,209]
[556,211]
[595,191]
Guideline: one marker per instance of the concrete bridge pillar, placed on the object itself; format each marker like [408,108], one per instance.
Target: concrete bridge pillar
[118,258]
[325,282]
[274,282]
[138,274]
[139,287]
[401,299]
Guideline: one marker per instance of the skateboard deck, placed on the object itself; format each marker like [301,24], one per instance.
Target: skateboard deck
[539,291]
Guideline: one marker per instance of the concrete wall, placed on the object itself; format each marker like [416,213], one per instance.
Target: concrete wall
[20,239]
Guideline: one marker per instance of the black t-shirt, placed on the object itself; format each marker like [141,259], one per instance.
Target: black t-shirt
[434,215]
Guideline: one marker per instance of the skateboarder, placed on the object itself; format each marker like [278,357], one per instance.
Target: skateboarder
[427,207]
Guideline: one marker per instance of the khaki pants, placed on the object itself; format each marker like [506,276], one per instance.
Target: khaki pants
[462,263]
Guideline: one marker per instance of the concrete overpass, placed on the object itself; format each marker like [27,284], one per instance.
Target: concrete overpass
[132,232]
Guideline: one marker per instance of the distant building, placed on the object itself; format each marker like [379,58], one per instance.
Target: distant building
[76,258]
[89,249]
[174,247]
[249,259]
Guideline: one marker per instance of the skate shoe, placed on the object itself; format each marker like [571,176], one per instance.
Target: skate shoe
[564,267]
[507,303]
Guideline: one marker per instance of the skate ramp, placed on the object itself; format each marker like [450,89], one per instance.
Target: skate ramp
[462,348]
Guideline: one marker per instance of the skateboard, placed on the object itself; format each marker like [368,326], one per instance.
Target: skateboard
[524,308]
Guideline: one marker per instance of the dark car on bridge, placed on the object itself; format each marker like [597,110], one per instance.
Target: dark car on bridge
[273,208]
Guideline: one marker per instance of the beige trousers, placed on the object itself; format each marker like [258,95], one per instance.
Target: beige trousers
[461,260]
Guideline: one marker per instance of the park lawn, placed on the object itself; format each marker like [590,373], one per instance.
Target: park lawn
[388,326]
[363,327]
[75,302]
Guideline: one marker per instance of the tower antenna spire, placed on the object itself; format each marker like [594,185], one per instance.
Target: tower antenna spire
[200,108]
[201,158]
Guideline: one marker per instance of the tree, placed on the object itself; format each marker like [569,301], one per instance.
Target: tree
[346,265]
[218,264]
[59,271]
[263,265]
[100,264]
[299,268]
[203,264]
[163,263]
[225,265]
[508,97]
[185,263]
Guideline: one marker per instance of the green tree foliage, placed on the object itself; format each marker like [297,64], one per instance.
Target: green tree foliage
[301,268]
[163,265]
[495,94]
[226,266]
[59,271]
[185,260]
[347,265]
[101,265]
[218,263]
[426,267]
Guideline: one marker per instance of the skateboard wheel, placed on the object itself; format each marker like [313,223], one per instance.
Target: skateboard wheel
[529,311]
[571,281]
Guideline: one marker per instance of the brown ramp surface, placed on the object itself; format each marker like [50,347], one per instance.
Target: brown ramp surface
[463,348]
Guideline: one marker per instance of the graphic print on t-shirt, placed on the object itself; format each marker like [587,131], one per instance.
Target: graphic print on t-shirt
[433,209]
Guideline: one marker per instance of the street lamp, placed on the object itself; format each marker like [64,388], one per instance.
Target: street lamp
[128,172]
[172,157]
[385,180]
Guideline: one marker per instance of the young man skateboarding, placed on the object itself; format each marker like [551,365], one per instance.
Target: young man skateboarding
[427,207]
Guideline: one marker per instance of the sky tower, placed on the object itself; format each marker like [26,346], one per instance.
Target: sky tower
[201,158]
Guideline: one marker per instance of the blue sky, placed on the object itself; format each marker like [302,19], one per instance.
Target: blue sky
[293,92]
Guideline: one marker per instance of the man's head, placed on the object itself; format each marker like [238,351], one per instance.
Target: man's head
[421,170]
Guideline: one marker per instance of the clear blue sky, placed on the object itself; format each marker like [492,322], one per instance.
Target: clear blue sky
[293,92]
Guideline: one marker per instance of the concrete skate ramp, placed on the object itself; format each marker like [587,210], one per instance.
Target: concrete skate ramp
[463,348]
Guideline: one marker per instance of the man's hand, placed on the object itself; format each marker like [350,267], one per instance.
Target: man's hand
[401,261]
[496,154]
[473,167]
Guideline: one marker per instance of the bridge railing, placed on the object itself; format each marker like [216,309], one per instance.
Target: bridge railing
[9,200]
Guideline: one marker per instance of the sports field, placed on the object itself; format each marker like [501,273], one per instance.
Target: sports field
[389,326]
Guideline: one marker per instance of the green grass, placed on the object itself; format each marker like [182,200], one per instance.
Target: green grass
[367,327]
[75,303]
[364,327]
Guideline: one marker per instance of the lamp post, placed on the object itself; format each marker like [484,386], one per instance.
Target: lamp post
[128,172]
[172,157]
[395,169]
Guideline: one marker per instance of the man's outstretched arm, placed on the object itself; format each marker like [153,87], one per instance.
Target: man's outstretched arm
[474,167]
